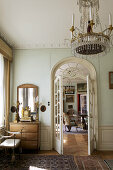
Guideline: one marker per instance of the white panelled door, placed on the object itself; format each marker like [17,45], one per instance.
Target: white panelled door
[58,113]
[90,110]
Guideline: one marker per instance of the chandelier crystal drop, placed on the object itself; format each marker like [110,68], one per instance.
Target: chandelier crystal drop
[84,9]
[87,42]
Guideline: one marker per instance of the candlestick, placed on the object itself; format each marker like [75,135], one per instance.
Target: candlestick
[90,13]
[72,19]
[71,35]
[72,30]
[110,19]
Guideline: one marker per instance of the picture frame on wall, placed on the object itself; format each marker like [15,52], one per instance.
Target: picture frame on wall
[111,80]
[69,89]
[70,106]
[69,98]
[82,87]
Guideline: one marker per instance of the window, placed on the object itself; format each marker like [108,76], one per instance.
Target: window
[1,90]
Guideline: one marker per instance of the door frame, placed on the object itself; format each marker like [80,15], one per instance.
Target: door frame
[58,121]
[92,73]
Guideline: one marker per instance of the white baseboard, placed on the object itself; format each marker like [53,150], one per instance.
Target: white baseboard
[105,138]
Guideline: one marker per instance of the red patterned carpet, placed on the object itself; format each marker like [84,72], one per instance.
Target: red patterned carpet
[52,162]
[90,163]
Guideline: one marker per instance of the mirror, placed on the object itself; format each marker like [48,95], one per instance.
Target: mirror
[26,96]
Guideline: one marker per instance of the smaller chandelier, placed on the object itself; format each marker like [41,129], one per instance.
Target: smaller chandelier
[87,42]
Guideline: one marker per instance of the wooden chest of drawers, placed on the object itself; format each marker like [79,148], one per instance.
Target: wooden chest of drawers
[30,134]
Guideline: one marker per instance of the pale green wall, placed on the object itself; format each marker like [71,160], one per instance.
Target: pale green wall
[34,66]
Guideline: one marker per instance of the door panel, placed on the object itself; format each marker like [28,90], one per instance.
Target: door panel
[58,112]
[90,110]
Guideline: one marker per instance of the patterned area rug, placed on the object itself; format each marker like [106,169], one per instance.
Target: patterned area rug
[36,162]
[109,163]
[90,163]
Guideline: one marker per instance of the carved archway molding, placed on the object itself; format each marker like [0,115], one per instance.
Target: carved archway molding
[92,74]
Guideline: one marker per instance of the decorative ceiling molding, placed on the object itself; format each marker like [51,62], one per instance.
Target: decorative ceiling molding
[42,45]
[73,72]
[25,45]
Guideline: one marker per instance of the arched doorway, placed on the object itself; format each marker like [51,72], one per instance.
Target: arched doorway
[92,75]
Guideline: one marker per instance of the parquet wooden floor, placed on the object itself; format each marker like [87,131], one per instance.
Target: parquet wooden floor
[77,145]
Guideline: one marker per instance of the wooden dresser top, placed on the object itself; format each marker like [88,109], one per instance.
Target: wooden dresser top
[33,123]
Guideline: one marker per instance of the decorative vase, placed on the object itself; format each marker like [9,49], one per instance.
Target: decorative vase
[16,118]
[37,115]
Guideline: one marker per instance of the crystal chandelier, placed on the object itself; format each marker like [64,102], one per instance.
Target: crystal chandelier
[86,42]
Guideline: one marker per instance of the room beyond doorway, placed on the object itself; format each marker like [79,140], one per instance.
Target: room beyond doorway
[80,63]
[75,124]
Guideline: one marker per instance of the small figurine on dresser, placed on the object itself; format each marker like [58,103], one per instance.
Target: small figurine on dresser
[22,112]
[26,114]
[37,108]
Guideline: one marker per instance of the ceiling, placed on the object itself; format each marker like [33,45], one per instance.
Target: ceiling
[31,24]
[72,73]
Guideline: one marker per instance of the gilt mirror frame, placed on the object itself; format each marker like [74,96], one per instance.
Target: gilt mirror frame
[26,86]
[111,80]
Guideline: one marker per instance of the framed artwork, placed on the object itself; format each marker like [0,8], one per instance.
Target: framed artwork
[110,80]
[82,87]
[70,106]
[69,89]
[69,98]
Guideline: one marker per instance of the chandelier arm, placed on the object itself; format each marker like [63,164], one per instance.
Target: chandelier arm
[79,30]
[108,29]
